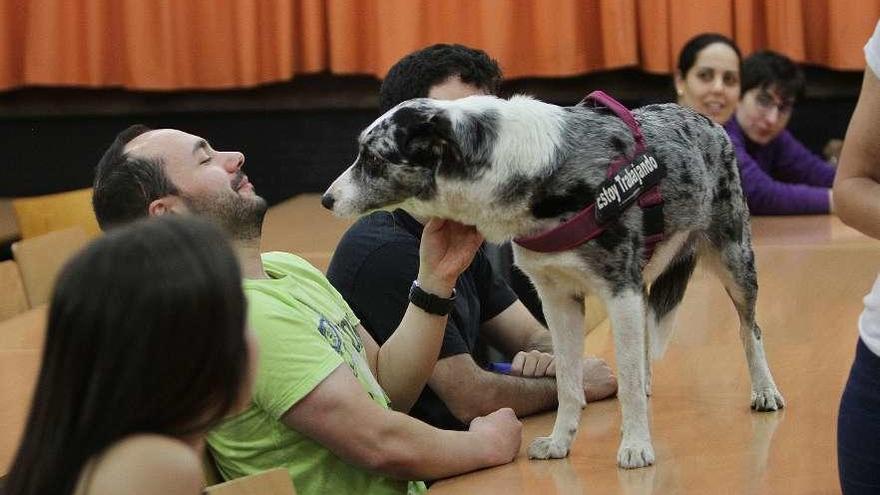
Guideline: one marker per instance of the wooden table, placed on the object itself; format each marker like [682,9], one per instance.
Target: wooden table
[813,272]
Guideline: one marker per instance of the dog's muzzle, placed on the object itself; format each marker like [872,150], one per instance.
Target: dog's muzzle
[327,201]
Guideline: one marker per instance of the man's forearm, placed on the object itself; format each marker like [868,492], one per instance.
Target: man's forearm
[407,358]
[492,391]
[413,450]
[340,416]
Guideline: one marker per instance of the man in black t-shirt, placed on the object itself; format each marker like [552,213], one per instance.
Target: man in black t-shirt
[377,260]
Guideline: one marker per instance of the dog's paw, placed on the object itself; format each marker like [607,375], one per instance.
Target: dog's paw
[546,448]
[633,455]
[767,399]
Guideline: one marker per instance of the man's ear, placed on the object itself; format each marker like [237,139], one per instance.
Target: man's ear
[165,205]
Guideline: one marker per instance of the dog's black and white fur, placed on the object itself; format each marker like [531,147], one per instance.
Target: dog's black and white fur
[518,167]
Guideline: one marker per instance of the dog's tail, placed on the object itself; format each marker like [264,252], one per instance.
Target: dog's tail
[666,293]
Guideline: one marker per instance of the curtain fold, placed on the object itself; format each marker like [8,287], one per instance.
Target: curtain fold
[548,38]
[159,44]
[205,44]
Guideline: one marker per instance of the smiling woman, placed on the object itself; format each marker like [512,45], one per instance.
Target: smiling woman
[708,75]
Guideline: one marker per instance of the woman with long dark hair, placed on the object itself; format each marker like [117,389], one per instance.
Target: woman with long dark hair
[146,349]
[707,77]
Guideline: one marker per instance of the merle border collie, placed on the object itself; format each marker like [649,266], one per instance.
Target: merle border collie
[520,167]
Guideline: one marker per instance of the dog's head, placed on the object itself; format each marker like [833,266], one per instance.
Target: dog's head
[400,157]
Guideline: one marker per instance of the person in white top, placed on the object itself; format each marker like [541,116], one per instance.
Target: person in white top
[857,199]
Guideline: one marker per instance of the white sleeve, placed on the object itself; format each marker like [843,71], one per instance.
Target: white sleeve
[872,51]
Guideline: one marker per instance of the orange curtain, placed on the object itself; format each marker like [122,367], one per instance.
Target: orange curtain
[184,44]
[829,33]
[568,37]
[159,44]
[529,38]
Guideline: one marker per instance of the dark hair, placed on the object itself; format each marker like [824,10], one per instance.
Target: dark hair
[767,69]
[687,57]
[145,335]
[125,185]
[413,75]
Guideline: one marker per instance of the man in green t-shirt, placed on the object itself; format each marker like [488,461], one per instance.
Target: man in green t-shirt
[328,402]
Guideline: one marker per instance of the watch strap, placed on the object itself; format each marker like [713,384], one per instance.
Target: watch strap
[430,303]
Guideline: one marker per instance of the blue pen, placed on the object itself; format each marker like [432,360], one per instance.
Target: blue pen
[503,368]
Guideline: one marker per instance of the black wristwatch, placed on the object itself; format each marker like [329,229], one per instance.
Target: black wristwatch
[430,303]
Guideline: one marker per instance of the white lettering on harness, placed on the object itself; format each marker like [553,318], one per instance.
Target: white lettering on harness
[620,190]
[608,194]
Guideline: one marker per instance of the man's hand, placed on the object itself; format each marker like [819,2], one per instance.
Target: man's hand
[501,432]
[599,380]
[533,364]
[447,249]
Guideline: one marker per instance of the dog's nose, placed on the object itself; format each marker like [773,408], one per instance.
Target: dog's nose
[327,201]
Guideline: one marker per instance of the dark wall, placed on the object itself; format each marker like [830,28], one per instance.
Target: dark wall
[287,152]
[297,136]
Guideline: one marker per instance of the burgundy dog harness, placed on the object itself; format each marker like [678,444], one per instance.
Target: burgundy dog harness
[629,178]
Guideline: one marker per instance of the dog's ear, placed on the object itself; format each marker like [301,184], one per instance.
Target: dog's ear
[431,143]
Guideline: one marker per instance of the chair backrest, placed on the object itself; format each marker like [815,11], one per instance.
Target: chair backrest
[24,331]
[41,258]
[9,230]
[14,299]
[272,482]
[39,215]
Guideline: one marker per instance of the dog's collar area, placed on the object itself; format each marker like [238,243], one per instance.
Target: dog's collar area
[590,222]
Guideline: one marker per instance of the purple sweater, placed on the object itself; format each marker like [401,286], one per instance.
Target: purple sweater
[782,177]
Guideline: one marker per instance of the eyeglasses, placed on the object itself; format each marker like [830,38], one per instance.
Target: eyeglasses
[766,102]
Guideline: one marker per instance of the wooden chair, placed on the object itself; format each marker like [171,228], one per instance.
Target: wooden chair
[24,331]
[41,258]
[272,482]
[40,215]
[14,300]
[9,230]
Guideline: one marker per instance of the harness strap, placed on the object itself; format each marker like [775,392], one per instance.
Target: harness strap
[600,98]
[584,226]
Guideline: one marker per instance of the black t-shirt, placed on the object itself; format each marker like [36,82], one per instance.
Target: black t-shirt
[373,267]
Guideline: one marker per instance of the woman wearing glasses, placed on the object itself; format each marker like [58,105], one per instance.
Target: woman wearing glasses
[780,176]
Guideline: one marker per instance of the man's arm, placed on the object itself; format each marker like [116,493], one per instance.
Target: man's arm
[767,196]
[857,187]
[404,362]
[340,416]
[799,165]
[470,391]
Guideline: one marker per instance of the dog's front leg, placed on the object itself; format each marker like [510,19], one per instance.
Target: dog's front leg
[627,313]
[565,317]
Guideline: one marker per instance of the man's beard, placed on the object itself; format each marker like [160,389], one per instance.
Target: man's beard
[241,217]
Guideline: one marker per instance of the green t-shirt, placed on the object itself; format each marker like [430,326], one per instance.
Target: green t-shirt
[305,331]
